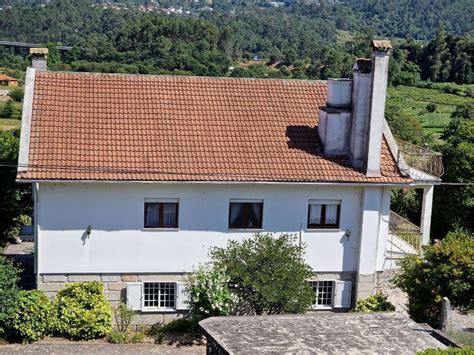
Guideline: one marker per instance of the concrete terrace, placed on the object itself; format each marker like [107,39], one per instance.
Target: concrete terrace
[320,333]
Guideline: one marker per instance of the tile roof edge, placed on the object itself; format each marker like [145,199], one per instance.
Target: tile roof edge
[408,181]
[23,156]
[230,78]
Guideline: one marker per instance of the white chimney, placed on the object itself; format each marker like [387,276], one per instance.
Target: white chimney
[39,58]
[351,124]
[378,92]
[360,112]
[335,118]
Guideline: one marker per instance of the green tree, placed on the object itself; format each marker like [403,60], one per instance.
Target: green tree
[454,205]
[445,270]
[8,109]
[267,273]
[15,199]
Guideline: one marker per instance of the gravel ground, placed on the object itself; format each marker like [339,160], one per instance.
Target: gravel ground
[49,346]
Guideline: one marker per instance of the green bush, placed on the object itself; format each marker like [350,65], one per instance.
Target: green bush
[118,337]
[431,107]
[9,292]
[445,270]
[208,291]
[267,273]
[16,94]
[123,317]
[137,338]
[375,303]
[82,311]
[34,317]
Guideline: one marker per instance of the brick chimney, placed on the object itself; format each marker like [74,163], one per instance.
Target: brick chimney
[351,123]
[39,58]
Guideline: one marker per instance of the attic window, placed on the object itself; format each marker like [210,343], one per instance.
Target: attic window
[324,214]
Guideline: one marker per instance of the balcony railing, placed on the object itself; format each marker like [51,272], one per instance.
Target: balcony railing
[421,159]
[406,231]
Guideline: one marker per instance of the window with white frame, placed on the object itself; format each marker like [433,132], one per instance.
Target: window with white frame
[161,213]
[324,213]
[324,292]
[159,295]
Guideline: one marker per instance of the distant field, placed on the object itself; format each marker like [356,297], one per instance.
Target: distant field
[413,102]
[8,124]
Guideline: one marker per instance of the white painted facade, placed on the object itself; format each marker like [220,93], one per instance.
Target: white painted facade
[118,243]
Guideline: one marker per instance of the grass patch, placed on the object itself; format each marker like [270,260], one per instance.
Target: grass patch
[9,124]
[465,338]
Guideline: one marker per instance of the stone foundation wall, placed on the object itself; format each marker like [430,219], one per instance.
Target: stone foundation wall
[115,289]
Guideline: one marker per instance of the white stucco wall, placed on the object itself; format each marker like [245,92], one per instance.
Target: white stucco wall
[119,244]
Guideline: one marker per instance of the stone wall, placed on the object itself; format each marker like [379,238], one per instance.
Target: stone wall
[115,289]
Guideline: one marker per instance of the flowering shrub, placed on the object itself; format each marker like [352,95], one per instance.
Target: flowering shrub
[209,294]
[375,303]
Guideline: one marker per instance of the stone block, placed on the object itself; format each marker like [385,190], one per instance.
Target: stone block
[113,295]
[54,278]
[111,278]
[49,287]
[148,319]
[82,278]
[160,277]
[116,286]
[129,278]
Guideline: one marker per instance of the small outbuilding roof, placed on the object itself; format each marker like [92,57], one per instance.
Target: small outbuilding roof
[342,333]
[4,77]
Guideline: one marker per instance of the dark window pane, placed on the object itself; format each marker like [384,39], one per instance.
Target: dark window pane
[152,216]
[170,215]
[245,215]
[161,215]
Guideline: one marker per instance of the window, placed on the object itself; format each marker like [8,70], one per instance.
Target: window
[161,213]
[324,291]
[159,295]
[245,215]
[324,214]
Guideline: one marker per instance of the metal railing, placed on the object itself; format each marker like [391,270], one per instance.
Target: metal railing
[420,158]
[406,231]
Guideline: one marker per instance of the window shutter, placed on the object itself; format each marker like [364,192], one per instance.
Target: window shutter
[342,296]
[134,296]
[181,297]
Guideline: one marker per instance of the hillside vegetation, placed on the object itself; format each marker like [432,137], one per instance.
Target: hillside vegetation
[432,108]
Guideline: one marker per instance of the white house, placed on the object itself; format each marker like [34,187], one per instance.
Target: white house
[135,177]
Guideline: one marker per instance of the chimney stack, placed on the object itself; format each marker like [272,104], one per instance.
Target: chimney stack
[39,58]
[351,123]
[378,92]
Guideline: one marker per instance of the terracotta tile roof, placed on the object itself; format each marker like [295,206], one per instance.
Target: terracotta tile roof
[4,77]
[88,126]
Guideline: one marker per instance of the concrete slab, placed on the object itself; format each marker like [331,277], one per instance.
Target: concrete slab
[368,333]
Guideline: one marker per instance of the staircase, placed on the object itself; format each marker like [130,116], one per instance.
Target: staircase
[404,239]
